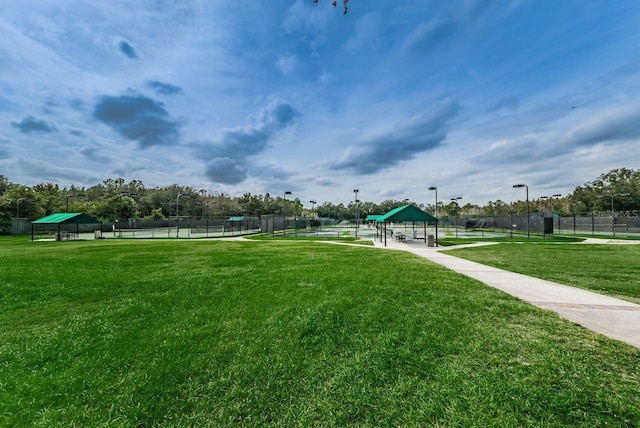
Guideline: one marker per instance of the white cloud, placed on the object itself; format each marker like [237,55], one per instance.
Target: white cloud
[367,33]
[197,70]
[287,64]
[306,17]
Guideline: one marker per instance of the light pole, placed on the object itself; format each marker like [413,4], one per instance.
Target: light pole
[552,207]
[551,204]
[18,223]
[284,213]
[456,199]
[519,186]
[71,195]
[613,217]
[436,208]
[544,217]
[544,198]
[18,205]
[313,205]
[178,212]
[435,211]
[355,192]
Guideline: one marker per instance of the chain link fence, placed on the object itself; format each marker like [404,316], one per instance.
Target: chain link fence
[625,223]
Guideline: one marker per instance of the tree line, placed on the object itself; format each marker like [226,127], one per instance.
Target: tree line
[115,200]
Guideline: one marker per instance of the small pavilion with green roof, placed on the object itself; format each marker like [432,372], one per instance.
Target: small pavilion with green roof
[403,214]
[63,223]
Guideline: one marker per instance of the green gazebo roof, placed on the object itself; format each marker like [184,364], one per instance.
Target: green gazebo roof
[373,217]
[406,213]
[67,218]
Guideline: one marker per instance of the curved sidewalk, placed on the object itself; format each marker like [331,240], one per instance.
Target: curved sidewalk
[609,316]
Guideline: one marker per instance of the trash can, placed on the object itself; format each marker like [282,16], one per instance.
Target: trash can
[98,234]
[430,241]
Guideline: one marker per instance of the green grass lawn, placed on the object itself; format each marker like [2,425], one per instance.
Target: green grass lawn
[301,237]
[449,241]
[212,333]
[608,269]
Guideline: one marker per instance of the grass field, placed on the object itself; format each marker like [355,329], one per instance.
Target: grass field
[204,333]
[608,269]
[446,242]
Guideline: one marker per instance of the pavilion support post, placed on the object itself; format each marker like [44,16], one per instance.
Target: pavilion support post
[385,233]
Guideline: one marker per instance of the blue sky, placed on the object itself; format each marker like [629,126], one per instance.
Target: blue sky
[267,96]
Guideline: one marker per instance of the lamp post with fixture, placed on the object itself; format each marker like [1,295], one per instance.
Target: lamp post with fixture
[518,186]
[613,216]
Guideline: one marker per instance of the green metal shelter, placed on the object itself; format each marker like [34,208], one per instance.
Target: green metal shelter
[64,219]
[406,213]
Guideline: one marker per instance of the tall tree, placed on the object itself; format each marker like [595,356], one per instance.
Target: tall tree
[613,185]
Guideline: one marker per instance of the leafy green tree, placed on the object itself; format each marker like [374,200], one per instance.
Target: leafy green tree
[4,184]
[156,215]
[452,209]
[251,204]
[106,209]
[18,198]
[50,197]
[596,195]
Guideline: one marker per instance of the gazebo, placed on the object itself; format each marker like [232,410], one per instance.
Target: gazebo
[406,213]
[237,220]
[65,219]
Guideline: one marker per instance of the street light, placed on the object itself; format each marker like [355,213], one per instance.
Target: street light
[613,217]
[557,195]
[313,205]
[178,212]
[456,199]
[355,192]
[18,212]
[552,208]
[432,188]
[544,198]
[71,195]
[436,209]
[551,204]
[519,186]
[544,216]
[284,213]
[18,205]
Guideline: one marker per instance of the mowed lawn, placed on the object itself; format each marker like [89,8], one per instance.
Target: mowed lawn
[212,333]
[607,269]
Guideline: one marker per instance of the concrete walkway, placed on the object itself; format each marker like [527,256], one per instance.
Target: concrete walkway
[609,316]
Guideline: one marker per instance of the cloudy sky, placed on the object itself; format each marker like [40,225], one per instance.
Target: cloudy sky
[267,96]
